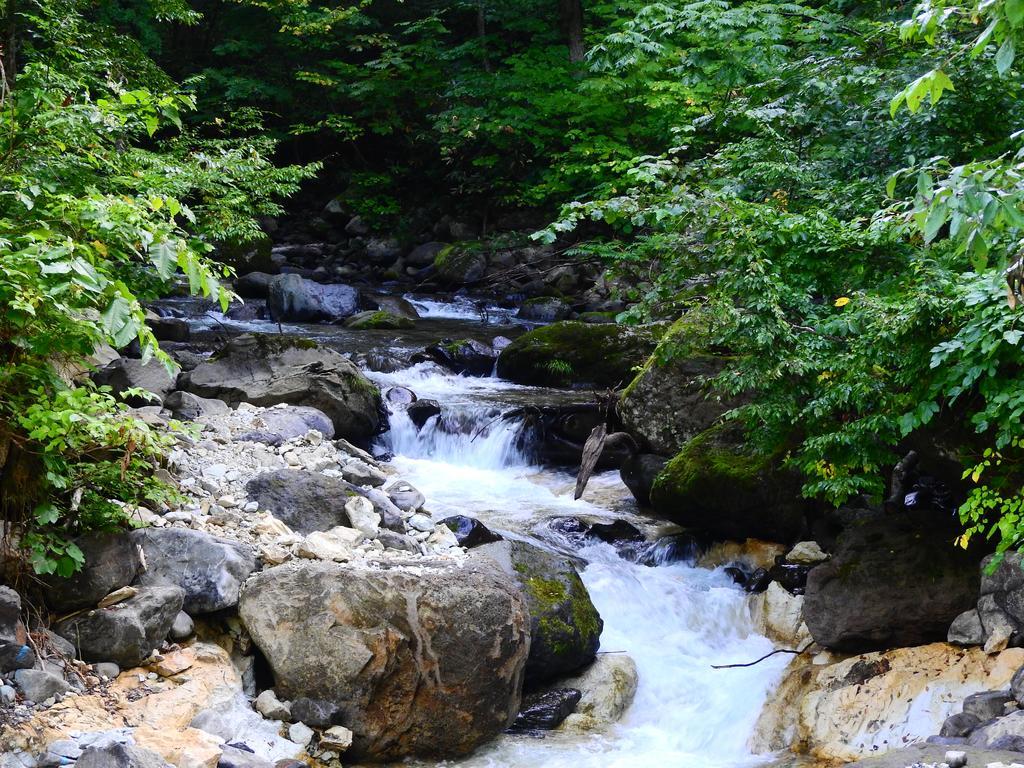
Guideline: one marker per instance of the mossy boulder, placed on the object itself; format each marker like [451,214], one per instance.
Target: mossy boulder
[460,264]
[378,320]
[670,401]
[716,483]
[565,627]
[251,255]
[571,352]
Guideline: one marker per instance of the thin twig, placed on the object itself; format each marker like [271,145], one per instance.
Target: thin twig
[767,655]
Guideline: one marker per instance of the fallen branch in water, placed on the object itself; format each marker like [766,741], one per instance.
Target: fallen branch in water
[767,655]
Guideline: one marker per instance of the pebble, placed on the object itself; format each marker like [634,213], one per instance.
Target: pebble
[251,506]
[292,460]
[300,733]
[7,695]
[272,708]
[421,523]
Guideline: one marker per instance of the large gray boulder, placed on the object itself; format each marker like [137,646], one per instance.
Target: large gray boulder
[894,580]
[208,569]
[565,627]
[125,633]
[120,756]
[267,370]
[128,373]
[304,501]
[111,561]
[425,659]
[294,298]
[186,406]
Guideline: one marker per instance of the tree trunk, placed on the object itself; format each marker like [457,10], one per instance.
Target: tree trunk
[9,46]
[572,24]
[481,32]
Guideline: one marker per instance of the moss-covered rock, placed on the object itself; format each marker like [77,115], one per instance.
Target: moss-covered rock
[669,401]
[570,352]
[245,256]
[716,483]
[565,625]
[460,263]
[378,320]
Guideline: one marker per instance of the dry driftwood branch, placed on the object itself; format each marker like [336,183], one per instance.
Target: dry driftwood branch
[766,656]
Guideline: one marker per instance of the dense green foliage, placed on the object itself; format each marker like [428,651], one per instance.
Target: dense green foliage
[104,197]
[833,189]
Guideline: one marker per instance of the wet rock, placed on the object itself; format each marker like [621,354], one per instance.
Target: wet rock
[318,713]
[565,627]
[210,570]
[399,396]
[369,657]
[112,561]
[617,532]
[127,632]
[778,614]
[378,320]
[544,309]
[185,406]
[127,373]
[638,472]
[675,548]
[892,581]
[467,356]
[304,501]
[119,756]
[966,629]
[608,687]
[791,577]
[469,531]
[266,371]
[37,685]
[960,725]
[576,353]
[716,483]
[254,285]
[988,704]
[545,710]
[291,298]
[394,305]
[422,411]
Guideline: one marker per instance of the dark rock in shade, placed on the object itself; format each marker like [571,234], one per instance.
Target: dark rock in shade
[758,581]
[565,627]
[209,569]
[112,561]
[577,353]
[294,298]
[1006,584]
[127,373]
[469,531]
[185,406]
[423,411]
[15,656]
[675,548]
[378,320]
[468,356]
[892,581]
[966,629]
[616,532]
[459,265]
[988,704]
[638,472]
[423,663]
[960,724]
[254,309]
[544,309]
[268,370]
[996,624]
[1017,686]
[545,710]
[253,255]
[1008,742]
[424,255]
[716,483]
[120,756]
[254,285]
[791,577]
[37,685]
[316,713]
[169,328]
[128,632]
[670,402]
[304,501]
[10,615]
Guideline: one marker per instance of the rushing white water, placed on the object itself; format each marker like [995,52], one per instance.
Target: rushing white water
[675,621]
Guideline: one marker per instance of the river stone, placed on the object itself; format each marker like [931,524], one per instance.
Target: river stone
[38,686]
[718,484]
[267,370]
[544,309]
[608,687]
[469,531]
[293,298]
[405,496]
[425,659]
[423,411]
[120,756]
[304,501]
[209,569]
[183,627]
[638,472]
[126,373]
[1005,733]
[966,629]
[893,581]
[960,724]
[186,406]
[127,632]
[112,561]
[11,627]
[1006,585]
[565,627]
[424,255]
[545,710]
[253,285]
[988,704]
[465,356]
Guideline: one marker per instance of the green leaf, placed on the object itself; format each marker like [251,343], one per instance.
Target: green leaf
[1004,56]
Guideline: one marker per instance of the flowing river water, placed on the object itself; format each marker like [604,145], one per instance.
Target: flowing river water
[675,620]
